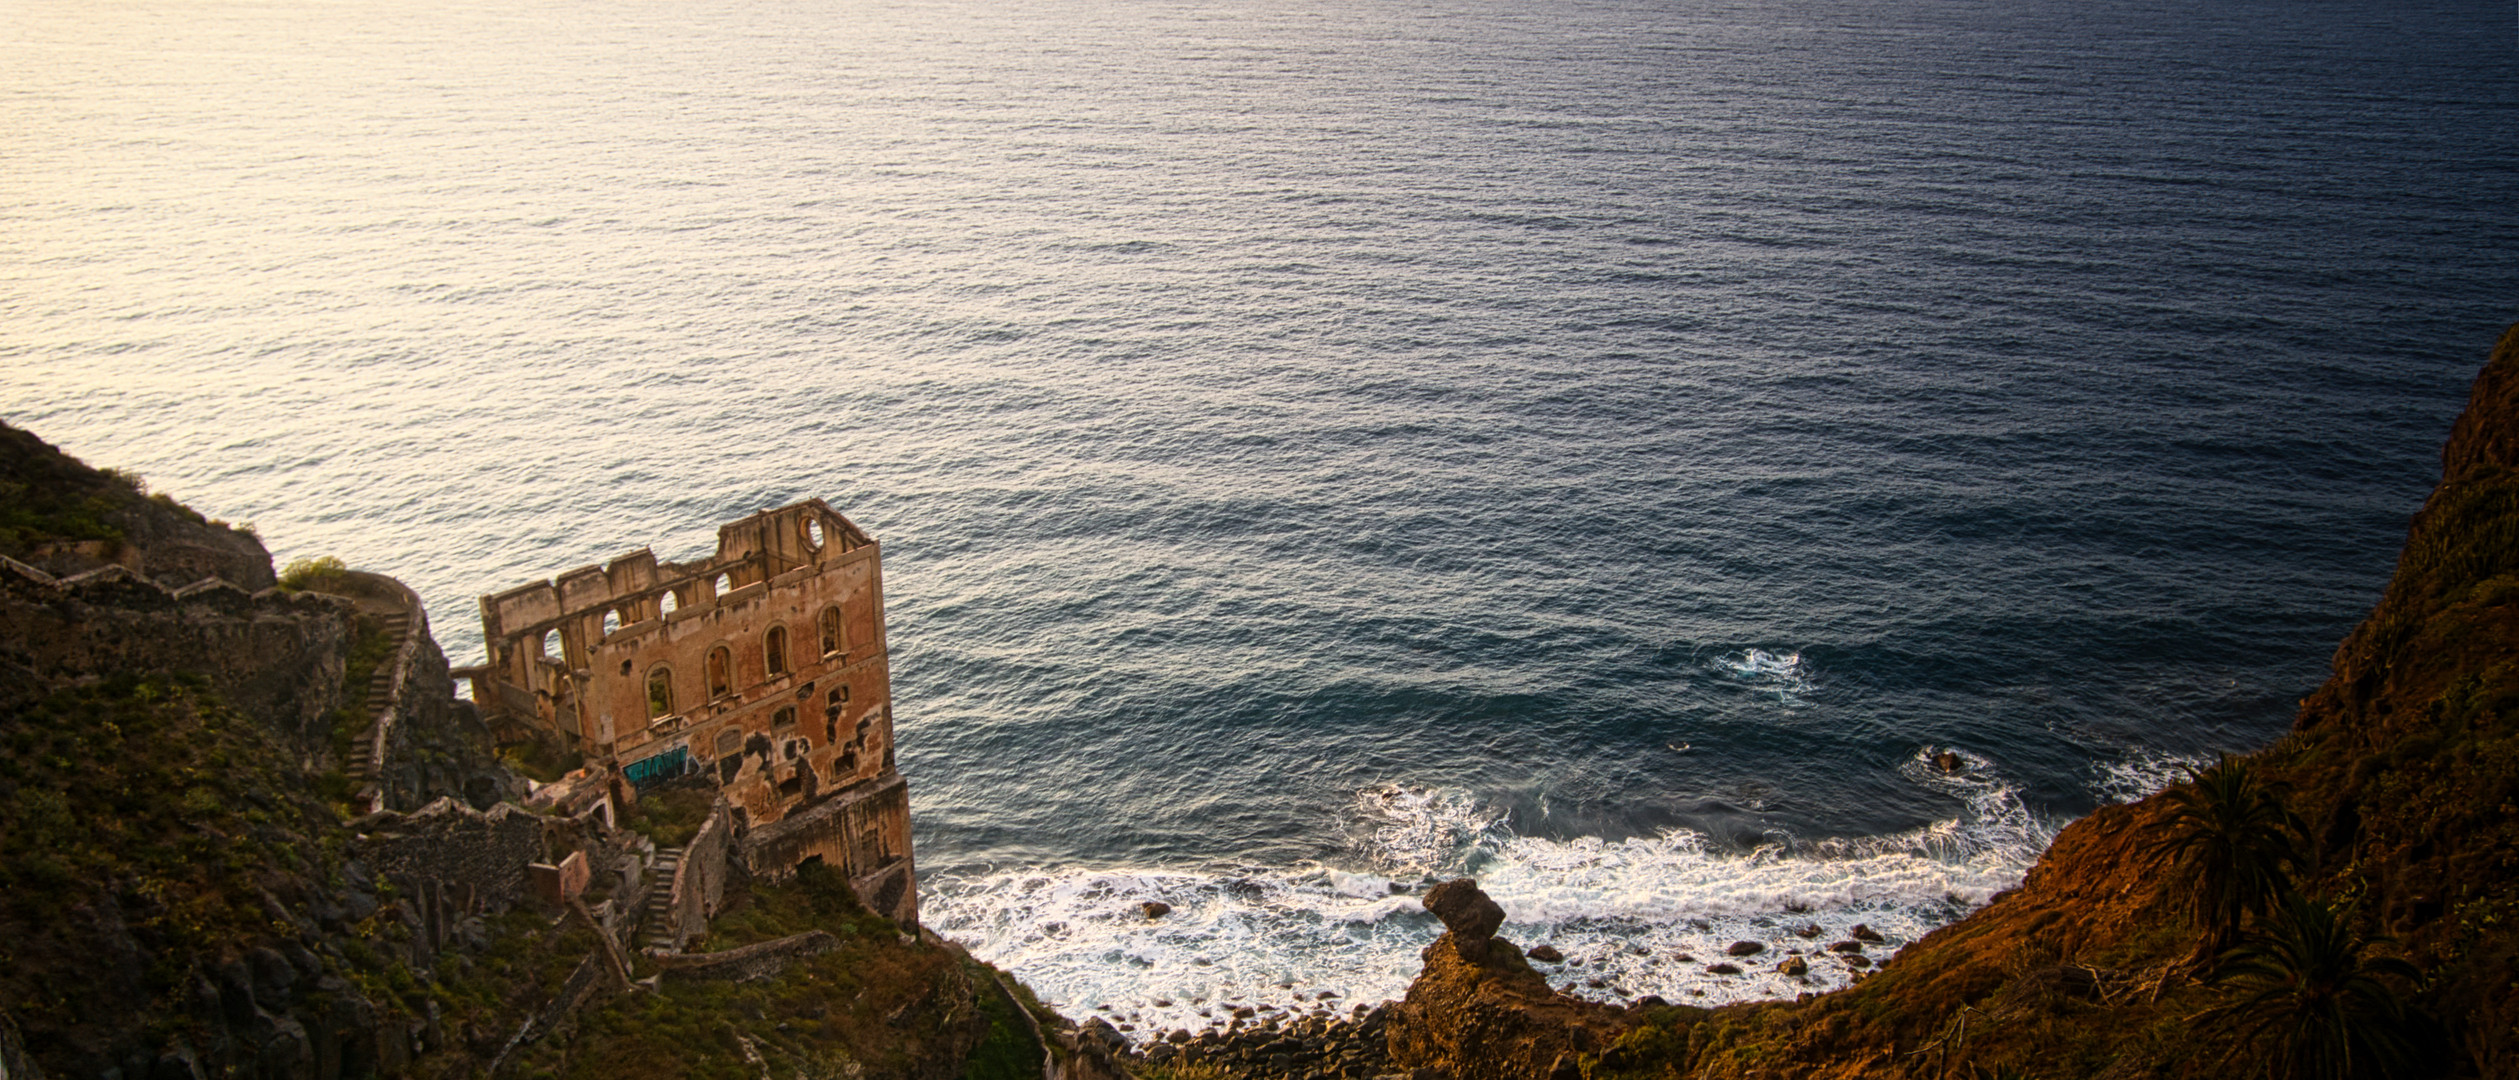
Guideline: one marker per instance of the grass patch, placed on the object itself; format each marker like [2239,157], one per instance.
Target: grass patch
[322,573]
[671,815]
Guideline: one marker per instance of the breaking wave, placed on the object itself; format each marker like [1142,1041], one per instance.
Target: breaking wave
[1641,916]
[2141,773]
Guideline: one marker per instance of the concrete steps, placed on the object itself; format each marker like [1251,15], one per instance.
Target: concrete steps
[655,928]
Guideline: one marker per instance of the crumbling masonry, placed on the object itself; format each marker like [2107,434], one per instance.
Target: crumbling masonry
[762,669]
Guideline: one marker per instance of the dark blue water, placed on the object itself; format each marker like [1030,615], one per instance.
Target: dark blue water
[1604,447]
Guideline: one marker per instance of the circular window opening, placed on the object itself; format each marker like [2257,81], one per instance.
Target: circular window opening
[813,533]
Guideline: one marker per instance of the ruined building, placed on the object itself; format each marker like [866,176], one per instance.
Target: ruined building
[761,669]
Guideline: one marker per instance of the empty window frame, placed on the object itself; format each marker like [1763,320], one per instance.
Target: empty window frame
[834,634]
[721,673]
[774,650]
[659,692]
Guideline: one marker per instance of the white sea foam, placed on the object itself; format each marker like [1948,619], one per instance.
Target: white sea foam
[2143,772]
[1645,915]
[1786,674]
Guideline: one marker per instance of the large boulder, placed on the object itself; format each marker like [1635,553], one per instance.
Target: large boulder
[1468,913]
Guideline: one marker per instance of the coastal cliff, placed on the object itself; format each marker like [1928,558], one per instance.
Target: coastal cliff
[191,885]
[247,831]
[2401,779]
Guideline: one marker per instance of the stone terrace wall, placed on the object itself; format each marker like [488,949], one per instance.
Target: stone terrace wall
[699,883]
[750,961]
[274,656]
[481,855]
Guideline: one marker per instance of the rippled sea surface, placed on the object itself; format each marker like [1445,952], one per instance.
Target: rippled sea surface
[1607,448]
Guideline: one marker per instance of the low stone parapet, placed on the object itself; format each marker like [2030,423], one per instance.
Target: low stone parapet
[756,961]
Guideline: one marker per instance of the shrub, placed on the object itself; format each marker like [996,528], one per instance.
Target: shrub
[2229,844]
[2311,1000]
[321,572]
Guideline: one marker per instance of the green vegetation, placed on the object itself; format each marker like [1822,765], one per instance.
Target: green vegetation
[540,760]
[2229,844]
[152,787]
[144,814]
[2312,1001]
[670,815]
[323,573]
[1007,1050]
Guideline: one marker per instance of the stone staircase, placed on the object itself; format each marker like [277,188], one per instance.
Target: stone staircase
[655,922]
[365,772]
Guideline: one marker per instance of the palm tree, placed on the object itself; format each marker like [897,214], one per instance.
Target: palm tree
[2229,843]
[2310,998]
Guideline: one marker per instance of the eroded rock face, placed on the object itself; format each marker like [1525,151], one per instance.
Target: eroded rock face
[1470,917]
[1493,1018]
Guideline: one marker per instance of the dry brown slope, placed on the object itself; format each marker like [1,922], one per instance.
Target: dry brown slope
[2405,765]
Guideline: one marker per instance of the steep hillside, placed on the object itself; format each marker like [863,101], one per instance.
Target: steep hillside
[2401,779]
[60,516]
[192,883]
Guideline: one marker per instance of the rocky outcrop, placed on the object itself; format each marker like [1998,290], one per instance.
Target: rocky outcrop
[1479,1012]
[64,518]
[433,745]
[1469,917]
[189,887]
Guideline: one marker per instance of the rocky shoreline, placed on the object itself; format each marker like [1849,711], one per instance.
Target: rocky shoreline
[1353,1046]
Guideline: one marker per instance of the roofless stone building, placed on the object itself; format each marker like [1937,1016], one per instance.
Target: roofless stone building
[762,669]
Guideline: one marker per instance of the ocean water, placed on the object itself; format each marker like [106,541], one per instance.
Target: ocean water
[1603,447]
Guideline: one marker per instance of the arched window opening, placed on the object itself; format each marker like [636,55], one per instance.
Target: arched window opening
[612,621]
[783,720]
[667,603]
[721,672]
[555,646]
[659,692]
[834,638]
[723,585]
[774,650]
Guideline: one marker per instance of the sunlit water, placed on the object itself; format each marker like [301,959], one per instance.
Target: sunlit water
[1606,448]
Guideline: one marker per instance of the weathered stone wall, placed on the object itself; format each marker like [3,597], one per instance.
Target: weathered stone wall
[274,656]
[863,832]
[483,855]
[699,883]
[763,668]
